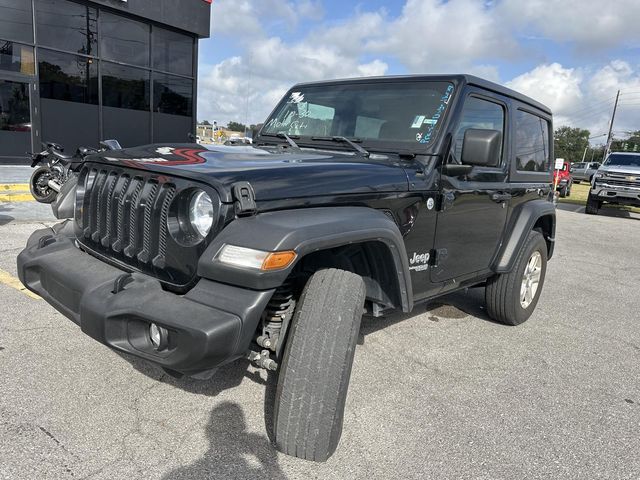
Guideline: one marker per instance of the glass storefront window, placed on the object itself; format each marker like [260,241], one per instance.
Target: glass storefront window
[17,58]
[172,52]
[67,26]
[14,107]
[67,77]
[124,40]
[172,95]
[125,87]
[16,20]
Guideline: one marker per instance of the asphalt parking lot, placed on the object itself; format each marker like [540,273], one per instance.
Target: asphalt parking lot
[442,393]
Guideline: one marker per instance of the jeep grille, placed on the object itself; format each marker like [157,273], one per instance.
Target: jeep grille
[121,214]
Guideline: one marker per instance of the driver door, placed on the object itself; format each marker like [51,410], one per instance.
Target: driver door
[473,207]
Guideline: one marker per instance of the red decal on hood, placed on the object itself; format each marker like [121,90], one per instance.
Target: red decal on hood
[187,156]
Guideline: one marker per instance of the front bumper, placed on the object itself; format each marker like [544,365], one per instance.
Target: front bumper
[209,326]
[618,194]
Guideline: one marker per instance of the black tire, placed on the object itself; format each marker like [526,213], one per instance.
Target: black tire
[502,294]
[569,189]
[316,365]
[39,190]
[592,206]
[563,191]
[576,181]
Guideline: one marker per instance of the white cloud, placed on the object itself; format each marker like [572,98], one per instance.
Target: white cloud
[553,85]
[436,36]
[590,24]
[246,19]
[427,36]
[584,97]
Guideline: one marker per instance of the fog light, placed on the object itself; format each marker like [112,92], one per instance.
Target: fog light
[158,336]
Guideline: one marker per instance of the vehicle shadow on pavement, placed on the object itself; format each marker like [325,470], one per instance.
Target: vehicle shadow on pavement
[225,378]
[233,452]
[457,305]
[605,211]
[4,219]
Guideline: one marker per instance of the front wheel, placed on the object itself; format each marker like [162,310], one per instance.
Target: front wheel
[593,205]
[316,365]
[39,185]
[512,297]
[563,192]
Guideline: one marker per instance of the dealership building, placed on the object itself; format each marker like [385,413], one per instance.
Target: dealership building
[75,72]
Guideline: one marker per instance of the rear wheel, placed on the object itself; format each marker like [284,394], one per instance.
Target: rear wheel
[512,297]
[316,365]
[593,205]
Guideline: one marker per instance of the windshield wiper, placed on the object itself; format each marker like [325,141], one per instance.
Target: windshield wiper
[342,139]
[285,136]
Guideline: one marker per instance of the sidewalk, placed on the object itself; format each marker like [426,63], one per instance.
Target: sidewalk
[16,203]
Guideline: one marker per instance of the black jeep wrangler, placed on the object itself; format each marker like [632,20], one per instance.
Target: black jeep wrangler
[357,197]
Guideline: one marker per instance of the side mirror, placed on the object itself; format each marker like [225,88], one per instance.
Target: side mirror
[481,147]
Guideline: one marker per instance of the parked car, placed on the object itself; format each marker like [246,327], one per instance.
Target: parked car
[617,182]
[584,171]
[369,195]
[563,180]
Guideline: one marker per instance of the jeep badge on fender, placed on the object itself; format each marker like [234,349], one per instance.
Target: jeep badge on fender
[368,195]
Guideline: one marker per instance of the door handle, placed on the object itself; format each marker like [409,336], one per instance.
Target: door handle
[500,197]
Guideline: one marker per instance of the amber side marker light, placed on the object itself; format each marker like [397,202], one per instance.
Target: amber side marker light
[255,259]
[278,260]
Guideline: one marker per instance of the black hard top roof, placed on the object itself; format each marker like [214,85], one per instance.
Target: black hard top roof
[462,79]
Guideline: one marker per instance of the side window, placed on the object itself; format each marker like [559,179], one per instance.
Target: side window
[532,143]
[481,114]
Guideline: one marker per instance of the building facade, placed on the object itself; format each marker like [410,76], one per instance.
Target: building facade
[75,72]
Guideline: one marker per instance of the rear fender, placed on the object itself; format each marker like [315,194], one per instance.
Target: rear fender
[535,214]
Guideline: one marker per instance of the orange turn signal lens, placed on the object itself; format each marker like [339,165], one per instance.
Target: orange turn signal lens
[278,260]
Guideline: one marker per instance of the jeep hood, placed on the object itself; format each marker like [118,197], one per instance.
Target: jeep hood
[273,174]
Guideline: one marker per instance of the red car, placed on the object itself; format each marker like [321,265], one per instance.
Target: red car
[563,180]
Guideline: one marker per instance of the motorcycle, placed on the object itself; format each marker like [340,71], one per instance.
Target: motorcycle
[48,179]
[56,177]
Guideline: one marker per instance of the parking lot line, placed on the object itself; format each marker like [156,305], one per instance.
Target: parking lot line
[7,279]
[16,197]
[14,187]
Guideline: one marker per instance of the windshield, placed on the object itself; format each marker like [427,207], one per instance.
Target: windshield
[623,160]
[373,113]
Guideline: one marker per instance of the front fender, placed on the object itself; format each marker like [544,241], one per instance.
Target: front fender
[305,231]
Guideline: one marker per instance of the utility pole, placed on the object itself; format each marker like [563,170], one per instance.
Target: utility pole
[613,116]
[585,152]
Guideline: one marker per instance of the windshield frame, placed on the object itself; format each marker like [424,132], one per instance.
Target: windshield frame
[372,145]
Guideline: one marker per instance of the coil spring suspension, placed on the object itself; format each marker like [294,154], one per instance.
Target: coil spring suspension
[276,317]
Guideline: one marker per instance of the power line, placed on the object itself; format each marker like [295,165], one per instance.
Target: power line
[589,107]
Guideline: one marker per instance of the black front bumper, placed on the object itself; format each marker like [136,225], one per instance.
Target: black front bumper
[209,326]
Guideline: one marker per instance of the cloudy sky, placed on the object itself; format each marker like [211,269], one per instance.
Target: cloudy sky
[572,55]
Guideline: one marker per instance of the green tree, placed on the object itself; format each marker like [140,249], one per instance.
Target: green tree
[205,122]
[569,143]
[236,127]
[629,144]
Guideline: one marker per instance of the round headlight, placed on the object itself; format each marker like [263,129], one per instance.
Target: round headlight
[201,212]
